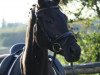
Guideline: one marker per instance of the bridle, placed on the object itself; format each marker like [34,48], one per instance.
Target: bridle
[51,7]
[55,45]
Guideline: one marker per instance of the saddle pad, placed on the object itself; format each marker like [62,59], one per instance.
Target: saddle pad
[57,66]
[8,62]
[15,68]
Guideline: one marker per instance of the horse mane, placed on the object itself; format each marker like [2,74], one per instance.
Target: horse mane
[29,38]
[29,33]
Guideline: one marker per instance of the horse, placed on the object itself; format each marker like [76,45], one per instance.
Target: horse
[47,30]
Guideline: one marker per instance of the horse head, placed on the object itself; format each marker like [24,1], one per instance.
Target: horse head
[51,31]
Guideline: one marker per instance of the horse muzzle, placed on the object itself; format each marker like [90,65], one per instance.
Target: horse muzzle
[72,51]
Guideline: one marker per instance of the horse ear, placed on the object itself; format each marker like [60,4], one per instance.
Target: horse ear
[57,1]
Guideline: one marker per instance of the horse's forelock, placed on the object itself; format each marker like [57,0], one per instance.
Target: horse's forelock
[47,3]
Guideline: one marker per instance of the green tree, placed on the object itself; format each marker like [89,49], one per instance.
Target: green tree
[3,23]
[90,44]
[88,3]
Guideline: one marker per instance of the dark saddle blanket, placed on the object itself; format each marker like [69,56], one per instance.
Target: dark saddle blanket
[11,61]
[11,64]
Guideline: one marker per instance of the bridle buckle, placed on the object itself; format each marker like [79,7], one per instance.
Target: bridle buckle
[56,47]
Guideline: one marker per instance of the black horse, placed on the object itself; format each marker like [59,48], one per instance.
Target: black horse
[47,30]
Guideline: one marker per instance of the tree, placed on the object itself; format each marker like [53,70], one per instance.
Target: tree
[3,23]
[88,3]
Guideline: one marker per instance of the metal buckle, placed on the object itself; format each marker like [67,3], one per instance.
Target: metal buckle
[56,47]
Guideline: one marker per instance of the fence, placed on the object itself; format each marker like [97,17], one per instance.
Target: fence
[89,68]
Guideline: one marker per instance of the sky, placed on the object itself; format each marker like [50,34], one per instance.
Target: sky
[18,10]
[15,10]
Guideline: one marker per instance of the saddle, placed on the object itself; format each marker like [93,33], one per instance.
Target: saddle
[9,61]
[13,60]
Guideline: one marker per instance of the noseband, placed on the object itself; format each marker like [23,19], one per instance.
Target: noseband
[65,36]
